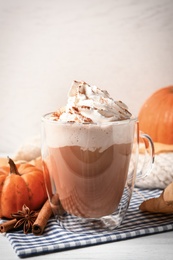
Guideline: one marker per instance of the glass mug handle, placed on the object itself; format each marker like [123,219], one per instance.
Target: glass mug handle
[146,155]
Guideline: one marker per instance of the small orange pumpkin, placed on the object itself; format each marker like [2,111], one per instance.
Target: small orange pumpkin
[21,184]
[156,116]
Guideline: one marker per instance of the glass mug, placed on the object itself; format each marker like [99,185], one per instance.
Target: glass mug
[91,169]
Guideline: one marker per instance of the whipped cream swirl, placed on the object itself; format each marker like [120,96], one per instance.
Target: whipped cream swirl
[89,104]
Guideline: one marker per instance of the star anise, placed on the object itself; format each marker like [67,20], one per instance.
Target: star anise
[25,218]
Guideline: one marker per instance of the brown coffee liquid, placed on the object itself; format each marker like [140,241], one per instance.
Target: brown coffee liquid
[89,184]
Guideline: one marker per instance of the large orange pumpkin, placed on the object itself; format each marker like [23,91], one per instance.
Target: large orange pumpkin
[156,116]
[21,184]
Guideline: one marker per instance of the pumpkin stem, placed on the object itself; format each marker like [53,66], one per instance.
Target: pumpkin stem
[13,168]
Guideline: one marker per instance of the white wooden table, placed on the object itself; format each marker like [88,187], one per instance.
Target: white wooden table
[155,247]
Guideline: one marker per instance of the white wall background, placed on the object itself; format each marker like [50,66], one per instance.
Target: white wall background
[124,46]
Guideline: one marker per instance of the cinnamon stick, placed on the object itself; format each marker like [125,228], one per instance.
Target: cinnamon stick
[45,213]
[8,225]
[43,216]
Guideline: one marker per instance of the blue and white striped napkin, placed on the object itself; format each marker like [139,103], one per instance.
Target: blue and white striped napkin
[55,238]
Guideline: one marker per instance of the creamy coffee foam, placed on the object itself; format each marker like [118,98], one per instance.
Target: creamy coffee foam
[89,136]
[88,120]
[89,104]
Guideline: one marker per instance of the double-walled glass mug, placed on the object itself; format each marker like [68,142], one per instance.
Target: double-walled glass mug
[91,169]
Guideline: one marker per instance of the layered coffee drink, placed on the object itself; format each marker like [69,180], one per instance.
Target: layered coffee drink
[89,145]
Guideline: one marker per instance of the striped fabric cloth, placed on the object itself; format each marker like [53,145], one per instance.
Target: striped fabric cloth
[55,238]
